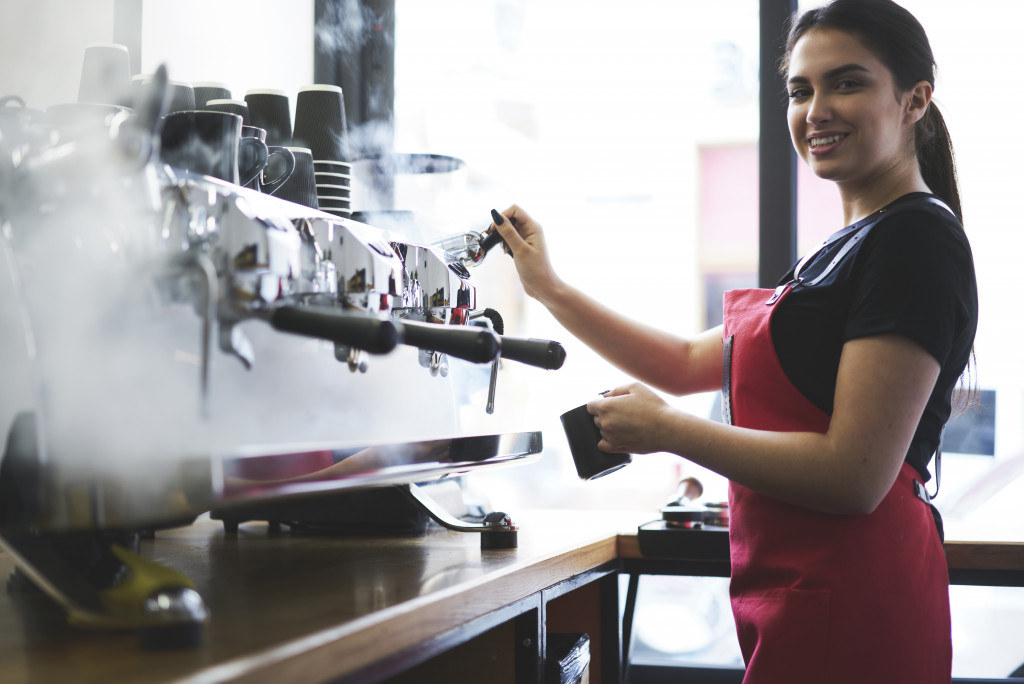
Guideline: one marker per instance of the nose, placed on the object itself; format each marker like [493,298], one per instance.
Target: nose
[819,109]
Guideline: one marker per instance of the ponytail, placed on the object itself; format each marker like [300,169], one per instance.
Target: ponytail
[938,168]
[935,155]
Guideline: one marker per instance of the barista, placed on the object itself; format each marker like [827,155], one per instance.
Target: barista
[836,385]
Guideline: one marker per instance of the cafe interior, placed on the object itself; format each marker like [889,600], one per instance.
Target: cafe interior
[275,406]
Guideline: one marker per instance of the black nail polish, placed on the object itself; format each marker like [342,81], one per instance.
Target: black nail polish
[498,218]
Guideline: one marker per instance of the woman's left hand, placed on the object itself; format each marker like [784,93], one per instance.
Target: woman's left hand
[632,419]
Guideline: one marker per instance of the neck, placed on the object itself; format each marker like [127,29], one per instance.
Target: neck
[860,200]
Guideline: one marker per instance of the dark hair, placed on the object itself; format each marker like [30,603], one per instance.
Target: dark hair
[901,44]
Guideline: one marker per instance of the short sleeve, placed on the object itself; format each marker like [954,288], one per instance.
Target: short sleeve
[914,276]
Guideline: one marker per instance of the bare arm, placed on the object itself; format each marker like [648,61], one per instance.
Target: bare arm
[883,385]
[672,364]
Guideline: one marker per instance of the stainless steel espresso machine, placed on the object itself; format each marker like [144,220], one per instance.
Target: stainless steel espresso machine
[173,345]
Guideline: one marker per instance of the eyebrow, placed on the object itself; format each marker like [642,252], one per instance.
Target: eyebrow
[832,73]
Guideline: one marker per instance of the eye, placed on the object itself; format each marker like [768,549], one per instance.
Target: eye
[847,84]
[799,93]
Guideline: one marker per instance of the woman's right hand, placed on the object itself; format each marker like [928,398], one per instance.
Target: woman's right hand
[524,238]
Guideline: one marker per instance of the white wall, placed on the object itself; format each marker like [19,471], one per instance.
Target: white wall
[42,43]
[244,43]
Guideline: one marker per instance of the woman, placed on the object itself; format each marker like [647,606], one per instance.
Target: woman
[836,385]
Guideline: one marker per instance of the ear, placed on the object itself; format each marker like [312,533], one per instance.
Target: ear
[916,101]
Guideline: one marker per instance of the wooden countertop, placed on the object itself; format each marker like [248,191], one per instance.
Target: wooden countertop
[960,555]
[289,607]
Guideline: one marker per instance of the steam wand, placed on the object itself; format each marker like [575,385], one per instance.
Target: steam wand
[201,264]
[546,354]
[494,320]
[205,266]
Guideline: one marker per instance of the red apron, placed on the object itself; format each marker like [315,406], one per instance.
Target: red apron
[818,597]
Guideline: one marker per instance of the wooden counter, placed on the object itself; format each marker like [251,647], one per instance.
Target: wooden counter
[299,608]
[970,562]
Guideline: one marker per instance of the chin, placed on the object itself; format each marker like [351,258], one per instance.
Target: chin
[825,171]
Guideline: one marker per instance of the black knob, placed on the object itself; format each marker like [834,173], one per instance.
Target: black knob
[475,344]
[373,335]
[541,353]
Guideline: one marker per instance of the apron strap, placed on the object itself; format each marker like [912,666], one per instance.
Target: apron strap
[860,231]
[727,380]
[921,492]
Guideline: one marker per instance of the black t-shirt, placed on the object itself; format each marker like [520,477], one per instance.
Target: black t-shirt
[912,275]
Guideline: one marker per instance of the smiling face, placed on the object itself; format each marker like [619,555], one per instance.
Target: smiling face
[846,118]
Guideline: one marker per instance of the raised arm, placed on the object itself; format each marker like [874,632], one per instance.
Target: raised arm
[670,363]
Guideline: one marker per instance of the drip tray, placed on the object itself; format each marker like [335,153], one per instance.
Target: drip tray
[375,511]
[258,476]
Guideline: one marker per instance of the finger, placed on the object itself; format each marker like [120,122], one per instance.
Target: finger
[507,226]
[517,214]
[617,392]
[507,231]
[493,236]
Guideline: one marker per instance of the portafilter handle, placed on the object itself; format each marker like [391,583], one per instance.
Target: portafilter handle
[540,353]
[469,248]
[489,241]
[470,343]
[372,335]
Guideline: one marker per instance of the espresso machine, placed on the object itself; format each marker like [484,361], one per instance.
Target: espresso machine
[175,345]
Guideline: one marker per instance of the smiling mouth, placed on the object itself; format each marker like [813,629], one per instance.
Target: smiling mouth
[824,141]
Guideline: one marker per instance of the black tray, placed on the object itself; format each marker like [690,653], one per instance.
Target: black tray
[658,539]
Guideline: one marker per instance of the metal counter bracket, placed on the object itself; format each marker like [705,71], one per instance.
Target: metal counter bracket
[497,531]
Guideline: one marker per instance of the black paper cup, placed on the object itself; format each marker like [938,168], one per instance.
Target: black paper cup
[333,191]
[339,179]
[325,203]
[328,166]
[210,90]
[230,107]
[333,182]
[320,122]
[271,110]
[300,187]
[182,97]
[583,436]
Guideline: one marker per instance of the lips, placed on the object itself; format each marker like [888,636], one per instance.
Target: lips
[822,143]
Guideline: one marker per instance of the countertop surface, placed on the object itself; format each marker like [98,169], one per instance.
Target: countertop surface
[300,607]
[294,607]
